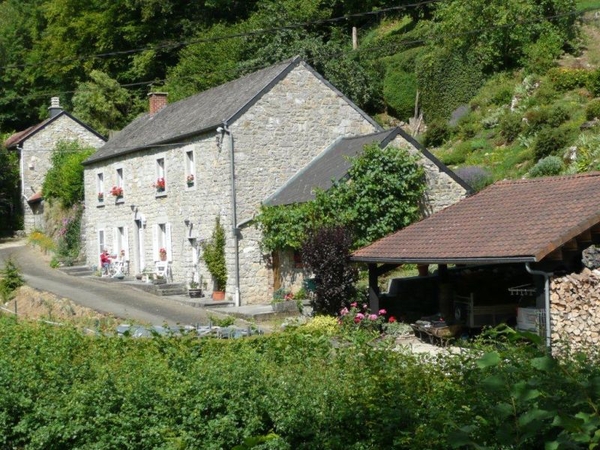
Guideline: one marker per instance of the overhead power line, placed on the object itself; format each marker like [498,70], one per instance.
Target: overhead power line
[178,44]
[391,48]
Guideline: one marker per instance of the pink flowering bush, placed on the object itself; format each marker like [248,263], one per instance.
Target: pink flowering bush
[360,317]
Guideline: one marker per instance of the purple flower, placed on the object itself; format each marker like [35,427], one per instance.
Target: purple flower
[358,317]
[344,311]
[382,312]
[372,316]
[353,304]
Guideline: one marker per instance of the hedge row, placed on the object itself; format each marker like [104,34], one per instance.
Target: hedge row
[61,389]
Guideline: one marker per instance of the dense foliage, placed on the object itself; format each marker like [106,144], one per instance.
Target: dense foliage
[61,389]
[100,48]
[384,194]
[10,279]
[326,254]
[64,181]
[10,192]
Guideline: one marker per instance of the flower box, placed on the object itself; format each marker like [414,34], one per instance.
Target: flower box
[116,191]
[160,185]
[100,196]
[190,180]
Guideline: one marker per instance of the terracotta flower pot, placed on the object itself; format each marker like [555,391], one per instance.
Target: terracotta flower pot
[218,295]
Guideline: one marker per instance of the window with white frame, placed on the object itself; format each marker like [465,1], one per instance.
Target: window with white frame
[161,180]
[100,186]
[121,244]
[117,189]
[162,241]
[190,168]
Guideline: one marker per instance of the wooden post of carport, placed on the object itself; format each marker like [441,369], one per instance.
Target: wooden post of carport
[373,288]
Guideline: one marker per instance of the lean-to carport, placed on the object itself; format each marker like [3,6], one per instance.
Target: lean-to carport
[543,223]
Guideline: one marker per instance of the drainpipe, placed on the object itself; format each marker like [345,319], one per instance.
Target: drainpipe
[234,227]
[546,276]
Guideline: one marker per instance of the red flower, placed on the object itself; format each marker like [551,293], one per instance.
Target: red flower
[392,319]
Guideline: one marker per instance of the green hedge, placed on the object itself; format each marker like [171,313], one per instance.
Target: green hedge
[61,389]
[446,81]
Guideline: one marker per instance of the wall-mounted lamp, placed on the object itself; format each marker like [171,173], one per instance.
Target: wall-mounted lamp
[187,222]
[132,207]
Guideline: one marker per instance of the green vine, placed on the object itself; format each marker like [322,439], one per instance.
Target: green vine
[214,256]
[384,195]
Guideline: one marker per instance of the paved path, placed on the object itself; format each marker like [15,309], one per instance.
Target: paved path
[118,299]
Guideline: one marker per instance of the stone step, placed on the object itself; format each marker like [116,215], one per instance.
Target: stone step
[78,271]
[170,289]
[167,292]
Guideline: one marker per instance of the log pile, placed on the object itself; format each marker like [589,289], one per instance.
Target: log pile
[575,309]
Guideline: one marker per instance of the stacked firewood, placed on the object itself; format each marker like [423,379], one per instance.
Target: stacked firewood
[575,308]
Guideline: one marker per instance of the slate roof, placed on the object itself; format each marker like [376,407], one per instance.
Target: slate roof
[333,165]
[510,221]
[21,136]
[199,113]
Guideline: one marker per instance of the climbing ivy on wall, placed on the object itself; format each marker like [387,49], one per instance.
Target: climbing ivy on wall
[382,194]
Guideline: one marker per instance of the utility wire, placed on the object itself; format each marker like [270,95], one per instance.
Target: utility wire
[391,48]
[177,44]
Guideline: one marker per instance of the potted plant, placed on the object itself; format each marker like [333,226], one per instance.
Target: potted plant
[117,191]
[283,301]
[160,185]
[100,196]
[213,254]
[190,180]
[162,253]
[194,290]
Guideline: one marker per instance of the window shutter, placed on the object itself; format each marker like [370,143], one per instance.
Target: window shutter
[168,240]
[115,245]
[126,243]
[155,256]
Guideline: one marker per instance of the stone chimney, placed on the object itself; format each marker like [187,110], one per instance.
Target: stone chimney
[54,109]
[158,100]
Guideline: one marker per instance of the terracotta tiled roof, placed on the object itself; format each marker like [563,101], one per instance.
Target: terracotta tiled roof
[521,220]
[35,198]
[17,138]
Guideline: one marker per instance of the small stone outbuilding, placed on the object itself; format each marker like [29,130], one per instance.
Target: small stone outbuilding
[35,146]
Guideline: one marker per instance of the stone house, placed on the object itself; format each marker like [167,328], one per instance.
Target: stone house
[167,176]
[35,146]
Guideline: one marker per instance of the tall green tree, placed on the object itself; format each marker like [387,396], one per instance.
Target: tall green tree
[10,206]
[103,104]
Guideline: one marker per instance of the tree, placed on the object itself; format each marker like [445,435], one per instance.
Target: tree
[10,205]
[104,104]
[326,253]
[213,254]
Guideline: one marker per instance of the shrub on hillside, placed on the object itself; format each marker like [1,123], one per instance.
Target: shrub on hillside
[11,279]
[475,176]
[399,91]
[592,109]
[549,141]
[537,118]
[593,83]
[511,125]
[550,165]
[457,155]
[567,79]
[437,133]
[557,115]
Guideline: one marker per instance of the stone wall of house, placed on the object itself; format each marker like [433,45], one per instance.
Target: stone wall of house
[278,135]
[575,310]
[36,157]
[442,190]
